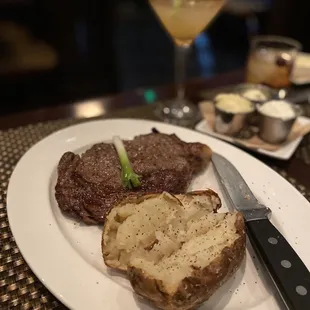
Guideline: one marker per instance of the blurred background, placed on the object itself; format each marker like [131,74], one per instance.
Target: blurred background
[56,52]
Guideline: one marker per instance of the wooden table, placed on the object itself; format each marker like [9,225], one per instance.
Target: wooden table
[102,106]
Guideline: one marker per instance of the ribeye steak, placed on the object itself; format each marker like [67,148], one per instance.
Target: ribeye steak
[90,184]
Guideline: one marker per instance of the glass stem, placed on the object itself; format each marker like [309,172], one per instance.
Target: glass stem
[180,72]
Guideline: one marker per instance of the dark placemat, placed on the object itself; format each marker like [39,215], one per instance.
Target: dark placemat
[19,288]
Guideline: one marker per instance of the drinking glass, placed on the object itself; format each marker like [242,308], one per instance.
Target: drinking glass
[183,20]
[271,61]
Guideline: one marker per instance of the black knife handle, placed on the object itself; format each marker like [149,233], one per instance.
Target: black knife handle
[287,270]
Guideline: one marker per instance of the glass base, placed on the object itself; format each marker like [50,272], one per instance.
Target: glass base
[182,113]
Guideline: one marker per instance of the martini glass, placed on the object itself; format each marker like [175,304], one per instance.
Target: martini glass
[183,20]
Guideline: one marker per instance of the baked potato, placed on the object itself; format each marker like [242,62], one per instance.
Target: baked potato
[177,250]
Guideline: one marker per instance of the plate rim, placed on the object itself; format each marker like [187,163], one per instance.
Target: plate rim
[93,123]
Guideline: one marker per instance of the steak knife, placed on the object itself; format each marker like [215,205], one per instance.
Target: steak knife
[286,269]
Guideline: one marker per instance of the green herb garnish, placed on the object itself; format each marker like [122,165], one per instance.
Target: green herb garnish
[129,178]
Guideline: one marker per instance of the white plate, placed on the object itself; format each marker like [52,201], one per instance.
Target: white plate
[66,256]
[283,153]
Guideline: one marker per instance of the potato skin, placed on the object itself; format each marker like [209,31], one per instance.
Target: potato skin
[197,288]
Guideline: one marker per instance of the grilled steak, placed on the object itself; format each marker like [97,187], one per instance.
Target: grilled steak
[89,185]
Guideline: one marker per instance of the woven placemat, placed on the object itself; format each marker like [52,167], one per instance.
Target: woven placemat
[19,288]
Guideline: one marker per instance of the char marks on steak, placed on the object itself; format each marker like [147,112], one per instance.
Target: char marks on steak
[89,185]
